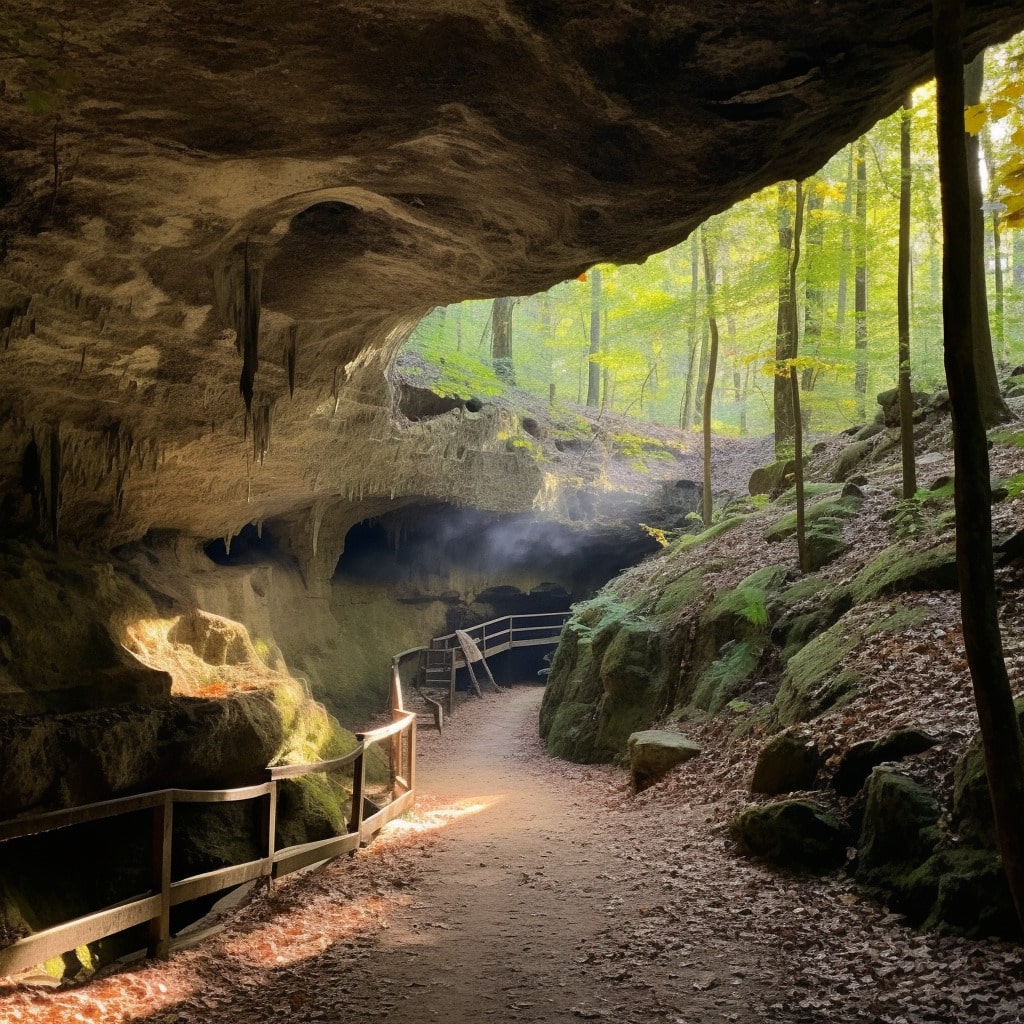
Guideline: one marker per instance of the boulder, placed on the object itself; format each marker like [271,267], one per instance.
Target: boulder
[861,758]
[771,478]
[850,458]
[800,835]
[899,569]
[899,830]
[654,752]
[972,805]
[786,762]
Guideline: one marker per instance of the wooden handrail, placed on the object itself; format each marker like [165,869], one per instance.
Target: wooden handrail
[154,908]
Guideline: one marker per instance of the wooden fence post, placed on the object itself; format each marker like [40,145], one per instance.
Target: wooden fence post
[163,831]
[270,832]
[358,788]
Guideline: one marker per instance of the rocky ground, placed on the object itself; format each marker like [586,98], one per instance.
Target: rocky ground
[527,889]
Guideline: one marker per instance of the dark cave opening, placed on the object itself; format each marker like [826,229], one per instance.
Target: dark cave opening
[484,566]
[251,544]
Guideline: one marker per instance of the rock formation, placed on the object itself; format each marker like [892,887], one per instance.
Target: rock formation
[219,223]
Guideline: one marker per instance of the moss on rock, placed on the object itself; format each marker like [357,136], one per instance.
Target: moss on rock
[899,569]
[800,835]
[818,676]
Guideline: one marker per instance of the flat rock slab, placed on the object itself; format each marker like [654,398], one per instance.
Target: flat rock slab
[653,752]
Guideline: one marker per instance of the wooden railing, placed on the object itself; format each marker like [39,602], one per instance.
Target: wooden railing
[444,657]
[153,907]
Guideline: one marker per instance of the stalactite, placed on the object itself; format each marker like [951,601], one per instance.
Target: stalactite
[317,518]
[262,417]
[289,357]
[228,537]
[247,330]
[259,529]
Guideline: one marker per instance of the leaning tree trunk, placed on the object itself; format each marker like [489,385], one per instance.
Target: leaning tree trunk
[903,309]
[993,409]
[860,282]
[1004,753]
[709,284]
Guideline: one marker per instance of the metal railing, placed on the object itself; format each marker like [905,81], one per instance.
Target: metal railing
[153,907]
[444,656]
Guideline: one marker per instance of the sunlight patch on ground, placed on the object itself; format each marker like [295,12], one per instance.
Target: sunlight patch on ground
[113,1000]
[307,931]
[430,815]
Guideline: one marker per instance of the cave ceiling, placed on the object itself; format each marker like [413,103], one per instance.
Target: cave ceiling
[358,164]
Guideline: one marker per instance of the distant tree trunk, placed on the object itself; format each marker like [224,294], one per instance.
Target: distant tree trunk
[993,409]
[458,327]
[903,308]
[594,367]
[501,338]
[844,248]
[686,410]
[783,393]
[709,284]
[860,282]
[702,375]
[997,240]
[814,309]
[1004,754]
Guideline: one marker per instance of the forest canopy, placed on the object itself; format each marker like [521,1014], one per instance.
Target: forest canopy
[645,327]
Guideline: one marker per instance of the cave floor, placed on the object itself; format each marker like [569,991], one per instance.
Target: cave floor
[527,889]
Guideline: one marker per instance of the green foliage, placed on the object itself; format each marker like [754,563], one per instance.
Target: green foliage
[653,314]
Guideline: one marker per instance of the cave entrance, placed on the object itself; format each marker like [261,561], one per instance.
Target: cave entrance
[461,567]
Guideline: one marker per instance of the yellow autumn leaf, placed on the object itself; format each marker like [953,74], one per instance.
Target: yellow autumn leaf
[1013,90]
[1000,108]
[1017,137]
[975,117]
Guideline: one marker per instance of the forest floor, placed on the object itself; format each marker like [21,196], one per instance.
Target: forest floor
[527,889]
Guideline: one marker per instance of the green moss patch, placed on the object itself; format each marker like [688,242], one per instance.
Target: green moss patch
[817,676]
[899,569]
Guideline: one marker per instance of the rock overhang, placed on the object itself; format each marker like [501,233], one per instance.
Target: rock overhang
[372,159]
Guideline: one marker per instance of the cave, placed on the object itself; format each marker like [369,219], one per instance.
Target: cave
[222,509]
[474,566]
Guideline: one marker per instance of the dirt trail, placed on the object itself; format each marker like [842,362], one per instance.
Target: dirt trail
[528,909]
[527,889]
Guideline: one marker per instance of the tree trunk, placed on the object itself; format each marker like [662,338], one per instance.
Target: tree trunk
[844,249]
[702,376]
[997,239]
[501,338]
[458,327]
[686,409]
[814,308]
[594,367]
[993,409]
[794,384]
[903,308]
[783,393]
[1004,754]
[709,284]
[860,282]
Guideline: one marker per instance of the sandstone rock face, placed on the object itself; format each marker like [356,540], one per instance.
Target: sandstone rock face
[264,199]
